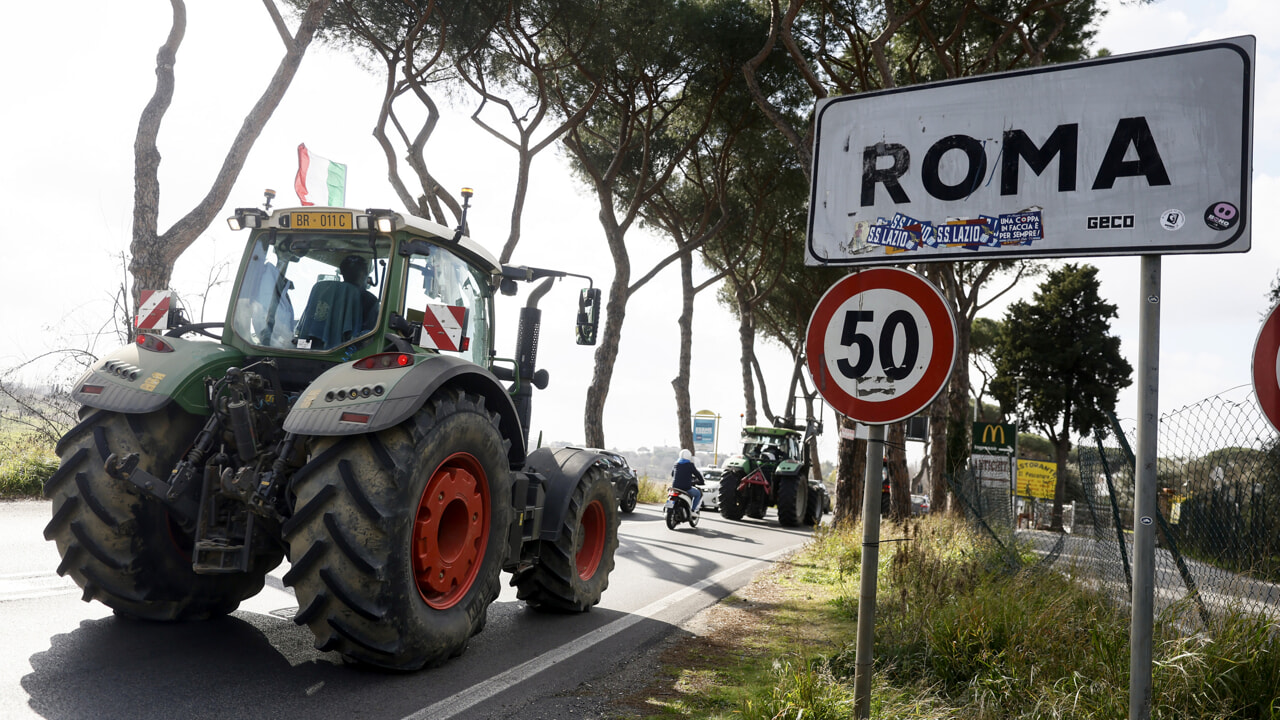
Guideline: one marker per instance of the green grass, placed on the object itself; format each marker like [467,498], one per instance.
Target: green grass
[652,491]
[961,635]
[26,461]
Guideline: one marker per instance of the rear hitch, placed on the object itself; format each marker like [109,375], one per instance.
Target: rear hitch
[182,506]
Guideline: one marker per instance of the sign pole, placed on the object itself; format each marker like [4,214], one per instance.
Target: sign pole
[1144,492]
[881,344]
[870,565]
[715,446]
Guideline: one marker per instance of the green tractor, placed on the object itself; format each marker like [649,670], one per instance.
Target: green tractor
[351,416]
[773,470]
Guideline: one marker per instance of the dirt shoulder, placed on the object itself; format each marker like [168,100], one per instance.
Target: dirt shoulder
[686,674]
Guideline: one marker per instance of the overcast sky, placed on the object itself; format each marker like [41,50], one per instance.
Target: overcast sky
[77,74]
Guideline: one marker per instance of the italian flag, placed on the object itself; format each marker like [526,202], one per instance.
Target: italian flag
[320,181]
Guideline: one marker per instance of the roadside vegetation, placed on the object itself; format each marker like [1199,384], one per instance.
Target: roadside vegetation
[26,461]
[652,490]
[961,632]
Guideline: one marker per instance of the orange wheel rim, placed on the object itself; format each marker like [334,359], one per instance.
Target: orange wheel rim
[591,540]
[451,531]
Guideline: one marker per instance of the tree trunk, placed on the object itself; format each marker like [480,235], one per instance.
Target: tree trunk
[960,418]
[938,417]
[746,340]
[899,490]
[524,165]
[615,312]
[148,272]
[1061,447]
[684,407]
[154,254]
[850,472]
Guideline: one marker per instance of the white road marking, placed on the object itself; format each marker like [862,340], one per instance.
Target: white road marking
[31,585]
[476,694]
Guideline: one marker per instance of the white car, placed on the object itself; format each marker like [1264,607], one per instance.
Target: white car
[711,487]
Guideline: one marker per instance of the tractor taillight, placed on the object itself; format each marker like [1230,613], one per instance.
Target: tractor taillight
[153,343]
[384,361]
[358,418]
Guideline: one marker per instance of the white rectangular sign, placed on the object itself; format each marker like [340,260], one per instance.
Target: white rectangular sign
[1148,153]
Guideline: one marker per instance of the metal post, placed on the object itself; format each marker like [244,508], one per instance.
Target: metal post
[715,445]
[1144,492]
[870,566]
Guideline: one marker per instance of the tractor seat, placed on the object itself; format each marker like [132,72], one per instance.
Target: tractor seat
[333,315]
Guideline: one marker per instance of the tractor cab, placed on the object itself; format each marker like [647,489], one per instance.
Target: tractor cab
[769,446]
[341,284]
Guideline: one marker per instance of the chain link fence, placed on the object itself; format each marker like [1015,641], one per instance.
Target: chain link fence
[1218,526]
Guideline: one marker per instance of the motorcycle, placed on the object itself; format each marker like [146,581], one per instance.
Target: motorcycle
[679,508]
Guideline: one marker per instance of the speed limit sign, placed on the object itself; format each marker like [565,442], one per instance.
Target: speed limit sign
[1266,368]
[881,344]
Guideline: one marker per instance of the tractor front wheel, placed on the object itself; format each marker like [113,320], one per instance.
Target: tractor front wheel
[398,537]
[573,570]
[732,504]
[122,547]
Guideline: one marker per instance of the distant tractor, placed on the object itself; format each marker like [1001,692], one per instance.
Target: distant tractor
[772,470]
[352,416]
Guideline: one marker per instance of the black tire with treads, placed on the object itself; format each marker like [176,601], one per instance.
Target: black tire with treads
[731,501]
[792,494]
[573,570]
[122,548]
[398,537]
[816,505]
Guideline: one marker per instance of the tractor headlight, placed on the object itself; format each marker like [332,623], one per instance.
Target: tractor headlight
[383,220]
[246,218]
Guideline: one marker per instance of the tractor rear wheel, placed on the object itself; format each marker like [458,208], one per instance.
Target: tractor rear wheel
[573,570]
[731,501]
[792,494]
[122,548]
[398,537]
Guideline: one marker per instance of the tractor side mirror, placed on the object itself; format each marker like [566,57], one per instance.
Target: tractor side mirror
[588,315]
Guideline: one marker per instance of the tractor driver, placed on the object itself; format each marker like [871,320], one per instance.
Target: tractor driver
[354,270]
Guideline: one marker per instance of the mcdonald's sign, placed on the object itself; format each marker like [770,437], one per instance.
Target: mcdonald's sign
[994,437]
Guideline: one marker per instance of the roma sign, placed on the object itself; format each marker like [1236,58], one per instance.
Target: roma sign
[1147,153]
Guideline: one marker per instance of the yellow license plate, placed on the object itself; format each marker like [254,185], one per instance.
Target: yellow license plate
[320,220]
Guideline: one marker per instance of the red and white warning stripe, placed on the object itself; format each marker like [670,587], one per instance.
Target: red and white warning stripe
[442,327]
[153,311]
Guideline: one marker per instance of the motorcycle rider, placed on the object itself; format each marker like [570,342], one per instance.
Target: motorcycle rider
[683,476]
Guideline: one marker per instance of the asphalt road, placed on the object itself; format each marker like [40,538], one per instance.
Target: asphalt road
[63,658]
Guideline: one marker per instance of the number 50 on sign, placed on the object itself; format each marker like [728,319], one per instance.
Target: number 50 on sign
[881,344]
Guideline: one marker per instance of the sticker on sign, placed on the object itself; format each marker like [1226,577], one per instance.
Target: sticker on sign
[1088,158]
[880,345]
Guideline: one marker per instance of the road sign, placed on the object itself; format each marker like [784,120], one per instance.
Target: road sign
[704,430]
[994,437]
[1037,479]
[1266,368]
[880,345]
[153,310]
[1146,153]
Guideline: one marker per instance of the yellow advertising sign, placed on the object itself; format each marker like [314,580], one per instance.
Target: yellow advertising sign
[1037,479]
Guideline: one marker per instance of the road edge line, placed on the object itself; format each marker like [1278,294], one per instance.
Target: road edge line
[480,692]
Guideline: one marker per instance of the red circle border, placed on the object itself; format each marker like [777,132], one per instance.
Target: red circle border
[1265,385]
[937,372]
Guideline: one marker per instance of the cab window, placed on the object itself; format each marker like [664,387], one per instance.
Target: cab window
[310,292]
[452,301]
